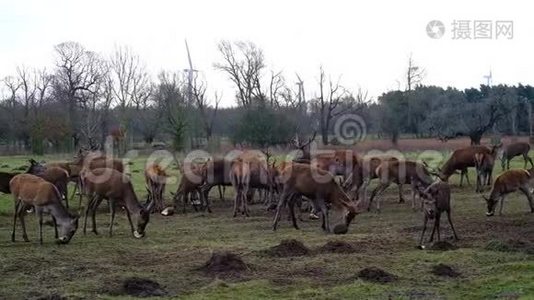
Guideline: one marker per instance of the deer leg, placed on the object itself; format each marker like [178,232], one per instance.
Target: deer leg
[221,194]
[412,184]
[39,213]
[376,192]
[96,202]
[324,212]
[111,217]
[452,226]
[130,221]
[467,176]
[23,223]
[529,160]
[281,202]
[525,191]
[291,205]
[438,217]
[17,204]
[433,230]
[401,198]
[503,163]
[425,221]
[502,204]
[55,227]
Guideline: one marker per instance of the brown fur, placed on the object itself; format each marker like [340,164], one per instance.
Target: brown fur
[192,179]
[508,182]
[484,163]
[436,200]
[110,184]
[217,173]
[460,160]
[155,180]
[317,185]
[400,172]
[29,190]
[513,150]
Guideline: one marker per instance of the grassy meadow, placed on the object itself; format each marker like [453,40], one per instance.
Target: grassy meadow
[495,258]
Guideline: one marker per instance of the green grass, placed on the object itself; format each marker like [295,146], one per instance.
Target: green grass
[95,266]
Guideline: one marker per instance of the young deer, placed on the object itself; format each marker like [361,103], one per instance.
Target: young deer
[55,175]
[513,150]
[110,184]
[508,182]
[436,200]
[155,180]
[484,166]
[30,190]
[190,183]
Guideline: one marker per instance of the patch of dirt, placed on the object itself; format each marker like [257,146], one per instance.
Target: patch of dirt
[510,245]
[373,274]
[444,270]
[224,263]
[337,247]
[341,229]
[141,287]
[288,248]
[443,246]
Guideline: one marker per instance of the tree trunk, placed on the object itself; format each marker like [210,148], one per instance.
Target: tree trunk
[395,138]
[475,138]
[324,135]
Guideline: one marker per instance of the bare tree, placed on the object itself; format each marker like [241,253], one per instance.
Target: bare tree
[243,62]
[414,74]
[333,101]
[206,107]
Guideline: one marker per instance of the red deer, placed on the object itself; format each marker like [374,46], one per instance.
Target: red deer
[217,173]
[320,187]
[155,179]
[190,184]
[240,177]
[304,148]
[110,184]
[57,176]
[30,190]
[508,182]
[461,159]
[513,150]
[484,166]
[400,172]
[436,200]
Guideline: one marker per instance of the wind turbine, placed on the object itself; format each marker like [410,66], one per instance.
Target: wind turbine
[300,84]
[190,74]
[488,78]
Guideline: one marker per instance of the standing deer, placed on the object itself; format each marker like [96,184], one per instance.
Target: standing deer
[400,172]
[319,186]
[461,159]
[508,182]
[155,179]
[30,190]
[110,184]
[217,173]
[513,150]
[190,184]
[436,200]
[55,175]
[484,167]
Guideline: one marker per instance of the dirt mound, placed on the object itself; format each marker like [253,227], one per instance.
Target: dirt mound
[444,270]
[510,245]
[376,275]
[288,248]
[337,247]
[141,287]
[443,246]
[224,263]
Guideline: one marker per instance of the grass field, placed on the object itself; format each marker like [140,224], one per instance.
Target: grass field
[495,256]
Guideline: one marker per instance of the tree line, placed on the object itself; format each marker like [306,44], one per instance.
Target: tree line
[91,99]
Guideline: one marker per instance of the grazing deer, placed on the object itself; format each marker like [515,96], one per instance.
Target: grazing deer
[30,190]
[155,179]
[461,159]
[216,174]
[508,182]
[484,166]
[320,187]
[513,150]
[110,184]
[400,172]
[57,176]
[436,200]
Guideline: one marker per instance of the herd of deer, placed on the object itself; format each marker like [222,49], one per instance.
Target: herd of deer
[98,177]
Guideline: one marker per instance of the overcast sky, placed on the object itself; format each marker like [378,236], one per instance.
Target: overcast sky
[368,44]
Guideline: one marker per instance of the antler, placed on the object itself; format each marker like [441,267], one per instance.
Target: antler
[310,140]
